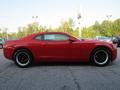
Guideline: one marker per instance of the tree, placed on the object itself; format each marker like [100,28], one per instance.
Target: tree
[68,27]
[97,28]
[89,32]
[116,27]
[106,28]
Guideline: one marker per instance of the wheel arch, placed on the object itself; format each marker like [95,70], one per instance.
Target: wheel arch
[19,48]
[104,47]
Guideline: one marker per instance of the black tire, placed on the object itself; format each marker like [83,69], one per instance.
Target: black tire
[101,57]
[118,45]
[23,58]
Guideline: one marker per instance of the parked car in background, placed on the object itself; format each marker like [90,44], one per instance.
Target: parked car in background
[108,39]
[2,41]
[103,38]
[58,47]
[117,40]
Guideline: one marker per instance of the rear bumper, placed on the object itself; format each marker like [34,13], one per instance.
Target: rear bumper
[8,52]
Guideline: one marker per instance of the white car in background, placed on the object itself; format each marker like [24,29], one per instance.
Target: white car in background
[103,38]
[107,39]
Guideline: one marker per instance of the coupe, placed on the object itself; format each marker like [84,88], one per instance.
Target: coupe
[58,47]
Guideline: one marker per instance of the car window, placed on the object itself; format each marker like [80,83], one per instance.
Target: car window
[55,37]
[52,37]
[40,37]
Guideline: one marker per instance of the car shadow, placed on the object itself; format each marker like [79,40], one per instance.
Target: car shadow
[82,64]
[61,64]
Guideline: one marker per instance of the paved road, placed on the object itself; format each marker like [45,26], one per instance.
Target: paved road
[59,77]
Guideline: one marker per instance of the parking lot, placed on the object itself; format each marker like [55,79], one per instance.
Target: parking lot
[59,77]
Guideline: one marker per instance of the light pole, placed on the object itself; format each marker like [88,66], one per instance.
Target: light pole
[108,16]
[78,18]
[35,22]
[6,30]
[35,18]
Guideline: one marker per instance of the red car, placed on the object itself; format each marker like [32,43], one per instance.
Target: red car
[58,47]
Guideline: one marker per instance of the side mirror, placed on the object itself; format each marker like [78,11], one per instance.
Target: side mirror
[72,39]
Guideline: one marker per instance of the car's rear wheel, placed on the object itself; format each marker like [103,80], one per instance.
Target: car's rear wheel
[23,58]
[101,57]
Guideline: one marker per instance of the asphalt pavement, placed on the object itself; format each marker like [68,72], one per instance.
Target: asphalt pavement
[59,77]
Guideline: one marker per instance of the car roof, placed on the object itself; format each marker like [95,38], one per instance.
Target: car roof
[40,33]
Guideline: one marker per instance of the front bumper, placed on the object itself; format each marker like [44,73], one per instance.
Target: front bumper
[114,54]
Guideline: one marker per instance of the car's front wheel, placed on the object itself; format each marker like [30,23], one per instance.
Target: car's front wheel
[23,58]
[101,57]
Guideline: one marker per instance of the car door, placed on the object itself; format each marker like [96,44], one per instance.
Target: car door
[54,46]
[59,47]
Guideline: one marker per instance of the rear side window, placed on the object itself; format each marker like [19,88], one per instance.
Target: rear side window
[40,37]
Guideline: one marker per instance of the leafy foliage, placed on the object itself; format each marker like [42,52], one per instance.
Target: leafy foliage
[106,28]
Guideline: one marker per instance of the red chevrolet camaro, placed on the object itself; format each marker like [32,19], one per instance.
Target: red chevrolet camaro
[58,47]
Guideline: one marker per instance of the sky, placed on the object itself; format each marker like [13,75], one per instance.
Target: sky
[18,13]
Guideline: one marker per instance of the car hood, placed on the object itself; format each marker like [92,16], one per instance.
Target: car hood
[96,42]
[92,41]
